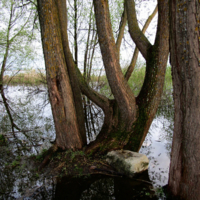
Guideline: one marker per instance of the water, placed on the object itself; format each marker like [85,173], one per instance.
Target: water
[157,147]
[32,113]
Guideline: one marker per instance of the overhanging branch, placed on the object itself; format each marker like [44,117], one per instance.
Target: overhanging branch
[137,35]
[136,52]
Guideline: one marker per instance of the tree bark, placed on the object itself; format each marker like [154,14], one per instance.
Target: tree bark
[60,93]
[119,87]
[127,118]
[70,64]
[184,177]
[138,37]
[114,136]
[136,51]
[151,92]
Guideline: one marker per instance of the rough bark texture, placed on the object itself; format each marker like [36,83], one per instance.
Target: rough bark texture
[62,12]
[60,92]
[119,87]
[184,178]
[115,136]
[127,119]
[151,92]
[138,37]
[136,51]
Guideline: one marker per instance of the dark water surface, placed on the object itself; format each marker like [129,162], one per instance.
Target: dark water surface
[18,180]
[98,187]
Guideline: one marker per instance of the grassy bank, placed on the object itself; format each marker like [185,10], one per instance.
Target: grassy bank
[135,82]
[28,77]
[33,77]
[137,78]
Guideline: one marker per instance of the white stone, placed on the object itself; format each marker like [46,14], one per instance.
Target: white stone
[128,162]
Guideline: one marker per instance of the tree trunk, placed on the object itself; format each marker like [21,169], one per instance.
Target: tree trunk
[150,95]
[119,87]
[62,14]
[127,118]
[184,177]
[60,93]
[113,134]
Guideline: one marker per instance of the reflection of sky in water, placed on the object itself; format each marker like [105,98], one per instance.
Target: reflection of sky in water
[156,145]
[32,113]
[155,148]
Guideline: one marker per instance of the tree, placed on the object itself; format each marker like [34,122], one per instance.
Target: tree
[127,118]
[15,49]
[184,55]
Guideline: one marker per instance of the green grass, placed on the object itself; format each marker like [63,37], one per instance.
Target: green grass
[168,79]
[135,82]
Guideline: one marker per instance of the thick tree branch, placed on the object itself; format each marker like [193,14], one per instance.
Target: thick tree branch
[136,52]
[76,76]
[62,13]
[119,87]
[151,92]
[100,100]
[74,72]
[137,35]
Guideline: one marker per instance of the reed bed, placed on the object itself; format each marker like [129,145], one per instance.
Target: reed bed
[32,77]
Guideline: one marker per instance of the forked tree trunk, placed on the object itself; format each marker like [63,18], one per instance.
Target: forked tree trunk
[60,92]
[127,118]
[184,176]
[137,115]
[156,62]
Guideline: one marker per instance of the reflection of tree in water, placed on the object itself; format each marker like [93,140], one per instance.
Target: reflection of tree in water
[18,178]
[6,178]
[28,113]
[100,189]
[167,112]
[105,188]
[157,145]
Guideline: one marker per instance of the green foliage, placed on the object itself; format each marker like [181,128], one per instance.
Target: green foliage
[18,42]
[76,153]
[116,9]
[168,79]
[78,169]
[160,192]
[137,78]
[15,163]
[135,82]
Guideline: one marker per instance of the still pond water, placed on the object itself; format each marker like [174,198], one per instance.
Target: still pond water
[31,111]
